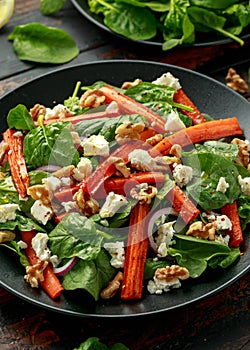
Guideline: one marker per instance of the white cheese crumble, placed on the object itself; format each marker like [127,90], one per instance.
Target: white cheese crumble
[164,238]
[95,145]
[244,185]
[18,134]
[222,222]
[112,204]
[8,212]
[83,169]
[157,286]
[39,244]
[222,185]
[59,111]
[182,174]
[112,107]
[174,123]
[22,245]
[141,159]
[52,183]
[41,212]
[68,206]
[117,252]
[169,80]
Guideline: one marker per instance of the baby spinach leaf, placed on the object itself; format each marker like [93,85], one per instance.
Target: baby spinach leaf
[209,169]
[212,4]
[47,7]
[21,222]
[20,119]
[75,236]
[50,144]
[91,275]
[13,246]
[228,150]
[38,43]
[132,22]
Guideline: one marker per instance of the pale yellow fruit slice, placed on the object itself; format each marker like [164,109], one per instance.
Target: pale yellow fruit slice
[6,11]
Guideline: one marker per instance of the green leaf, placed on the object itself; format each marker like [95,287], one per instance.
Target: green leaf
[21,222]
[132,22]
[50,144]
[213,4]
[91,276]
[19,118]
[75,236]
[48,7]
[13,246]
[38,43]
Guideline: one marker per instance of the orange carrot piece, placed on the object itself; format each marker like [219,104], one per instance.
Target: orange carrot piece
[81,117]
[51,283]
[123,185]
[211,130]
[17,162]
[236,235]
[130,106]
[196,116]
[182,204]
[136,253]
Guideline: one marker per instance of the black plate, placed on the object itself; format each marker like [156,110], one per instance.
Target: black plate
[201,40]
[210,96]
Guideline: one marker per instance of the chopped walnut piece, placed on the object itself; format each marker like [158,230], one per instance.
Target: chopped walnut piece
[92,98]
[143,193]
[236,82]
[66,171]
[120,165]
[164,161]
[154,139]
[113,287]
[172,272]
[7,236]
[37,110]
[34,273]
[127,130]
[127,84]
[201,230]
[2,175]
[243,155]
[176,150]
[87,205]
[40,192]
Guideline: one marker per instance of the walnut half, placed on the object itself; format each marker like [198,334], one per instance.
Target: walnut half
[236,82]
[172,272]
[113,287]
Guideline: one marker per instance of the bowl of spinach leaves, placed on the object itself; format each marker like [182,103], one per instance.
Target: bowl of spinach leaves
[170,24]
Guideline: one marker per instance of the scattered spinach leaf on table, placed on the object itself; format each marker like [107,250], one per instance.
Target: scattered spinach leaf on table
[48,7]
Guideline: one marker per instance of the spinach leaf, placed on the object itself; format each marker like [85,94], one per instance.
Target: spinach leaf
[50,144]
[47,7]
[13,246]
[20,119]
[244,210]
[91,275]
[75,236]
[38,43]
[8,192]
[21,222]
[106,126]
[130,21]
[228,150]
[93,343]
[218,4]
[209,168]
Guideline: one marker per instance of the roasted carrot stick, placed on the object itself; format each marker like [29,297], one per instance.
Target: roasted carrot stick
[51,283]
[236,236]
[17,162]
[181,98]
[135,254]
[130,106]
[210,130]
[182,204]
[122,185]
[81,117]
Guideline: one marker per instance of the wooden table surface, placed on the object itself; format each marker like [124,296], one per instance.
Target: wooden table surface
[218,322]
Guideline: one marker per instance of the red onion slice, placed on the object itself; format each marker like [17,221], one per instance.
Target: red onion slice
[60,271]
[164,211]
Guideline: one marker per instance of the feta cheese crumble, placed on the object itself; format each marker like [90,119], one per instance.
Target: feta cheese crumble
[182,174]
[169,80]
[112,204]
[244,185]
[42,213]
[84,169]
[8,212]
[117,252]
[164,238]
[95,145]
[141,159]
[174,123]
[222,185]
[39,244]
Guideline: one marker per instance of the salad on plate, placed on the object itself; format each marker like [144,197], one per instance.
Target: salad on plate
[122,191]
